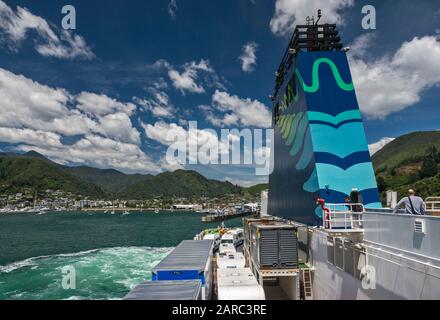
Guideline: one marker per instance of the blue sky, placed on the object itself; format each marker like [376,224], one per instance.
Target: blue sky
[106,93]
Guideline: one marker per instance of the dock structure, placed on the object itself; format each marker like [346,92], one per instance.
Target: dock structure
[218,217]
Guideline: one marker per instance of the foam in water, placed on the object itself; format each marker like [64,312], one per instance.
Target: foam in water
[100,274]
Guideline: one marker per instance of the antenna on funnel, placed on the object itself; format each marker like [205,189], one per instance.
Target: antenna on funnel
[319,16]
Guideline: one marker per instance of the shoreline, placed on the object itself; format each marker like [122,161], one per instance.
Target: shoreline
[100,210]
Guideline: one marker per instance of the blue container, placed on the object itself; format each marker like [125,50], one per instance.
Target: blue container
[190,260]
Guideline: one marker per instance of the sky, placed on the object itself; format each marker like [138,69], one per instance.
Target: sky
[107,93]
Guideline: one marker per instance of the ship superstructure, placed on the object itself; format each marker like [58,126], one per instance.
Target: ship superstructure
[321,150]
[324,234]
[349,248]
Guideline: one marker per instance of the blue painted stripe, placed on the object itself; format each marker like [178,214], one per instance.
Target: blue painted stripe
[336,126]
[347,139]
[311,185]
[307,153]
[299,138]
[335,120]
[360,176]
[343,163]
[294,128]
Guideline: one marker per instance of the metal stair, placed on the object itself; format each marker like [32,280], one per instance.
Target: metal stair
[306,277]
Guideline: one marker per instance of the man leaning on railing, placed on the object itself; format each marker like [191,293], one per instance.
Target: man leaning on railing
[413,204]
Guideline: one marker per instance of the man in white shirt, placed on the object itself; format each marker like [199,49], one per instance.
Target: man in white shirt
[413,204]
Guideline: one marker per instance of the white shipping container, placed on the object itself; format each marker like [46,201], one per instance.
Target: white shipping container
[227,248]
[238,284]
[231,260]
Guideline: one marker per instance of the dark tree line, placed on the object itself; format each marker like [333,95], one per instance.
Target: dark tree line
[430,163]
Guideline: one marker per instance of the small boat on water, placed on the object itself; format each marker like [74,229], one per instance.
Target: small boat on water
[113,212]
[156,211]
[125,213]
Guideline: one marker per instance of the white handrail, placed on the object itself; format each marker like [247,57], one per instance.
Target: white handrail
[432,203]
[343,216]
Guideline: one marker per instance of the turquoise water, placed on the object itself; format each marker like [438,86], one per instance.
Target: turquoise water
[110,253]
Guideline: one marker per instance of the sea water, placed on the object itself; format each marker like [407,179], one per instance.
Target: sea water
[109,253]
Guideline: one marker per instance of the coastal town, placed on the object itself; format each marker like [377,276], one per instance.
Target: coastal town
[58,200]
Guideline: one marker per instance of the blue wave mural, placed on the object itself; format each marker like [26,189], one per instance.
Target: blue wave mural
[320,145]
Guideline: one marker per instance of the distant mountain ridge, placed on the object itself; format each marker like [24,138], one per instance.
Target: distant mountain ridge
[35,171]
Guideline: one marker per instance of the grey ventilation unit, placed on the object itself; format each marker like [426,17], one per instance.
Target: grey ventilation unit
[274,245]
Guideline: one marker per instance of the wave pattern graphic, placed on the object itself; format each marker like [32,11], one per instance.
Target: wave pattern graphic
[335,142]
[291,93]
[341,142]
[343,163]
[361,176]
[335,121]
[314,87]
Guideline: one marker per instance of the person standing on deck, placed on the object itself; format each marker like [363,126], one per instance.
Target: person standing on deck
[413,204]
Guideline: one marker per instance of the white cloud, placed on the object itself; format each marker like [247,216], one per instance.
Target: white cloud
[393,83]
[102,105]
[100,126]
[237,111]
[361,44]
[184,139]
[291,12]
[32,137]
[118,126]
[159,105]
[248,58]
[50,41]
[47,109]
[186,81]
[375,147]
[172,8]
[99,152]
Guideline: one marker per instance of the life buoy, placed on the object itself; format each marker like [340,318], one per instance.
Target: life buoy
[325,211]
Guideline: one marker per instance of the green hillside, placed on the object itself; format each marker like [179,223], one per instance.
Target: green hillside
[110,180]
[37,173]
[410,161]
[180,183]
[256,190]
[34,171]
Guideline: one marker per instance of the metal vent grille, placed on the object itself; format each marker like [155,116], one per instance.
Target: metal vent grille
[330,250]
[288,249]
[339,254]
[419,226]
[349,259]
[269,246]
[275,247]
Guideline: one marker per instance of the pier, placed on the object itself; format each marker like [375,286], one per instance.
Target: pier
[222,217]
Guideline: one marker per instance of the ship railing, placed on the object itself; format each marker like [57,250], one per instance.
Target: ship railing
[343,217]
[433,205]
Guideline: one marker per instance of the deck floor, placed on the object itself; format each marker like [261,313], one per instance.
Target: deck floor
[275,293]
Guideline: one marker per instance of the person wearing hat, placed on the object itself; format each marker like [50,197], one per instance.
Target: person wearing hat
[413,204]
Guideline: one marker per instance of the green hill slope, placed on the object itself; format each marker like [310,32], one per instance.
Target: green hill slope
[180,183]
[37,173]
[110,180]
[256,190]
[34,171]
[402,164]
